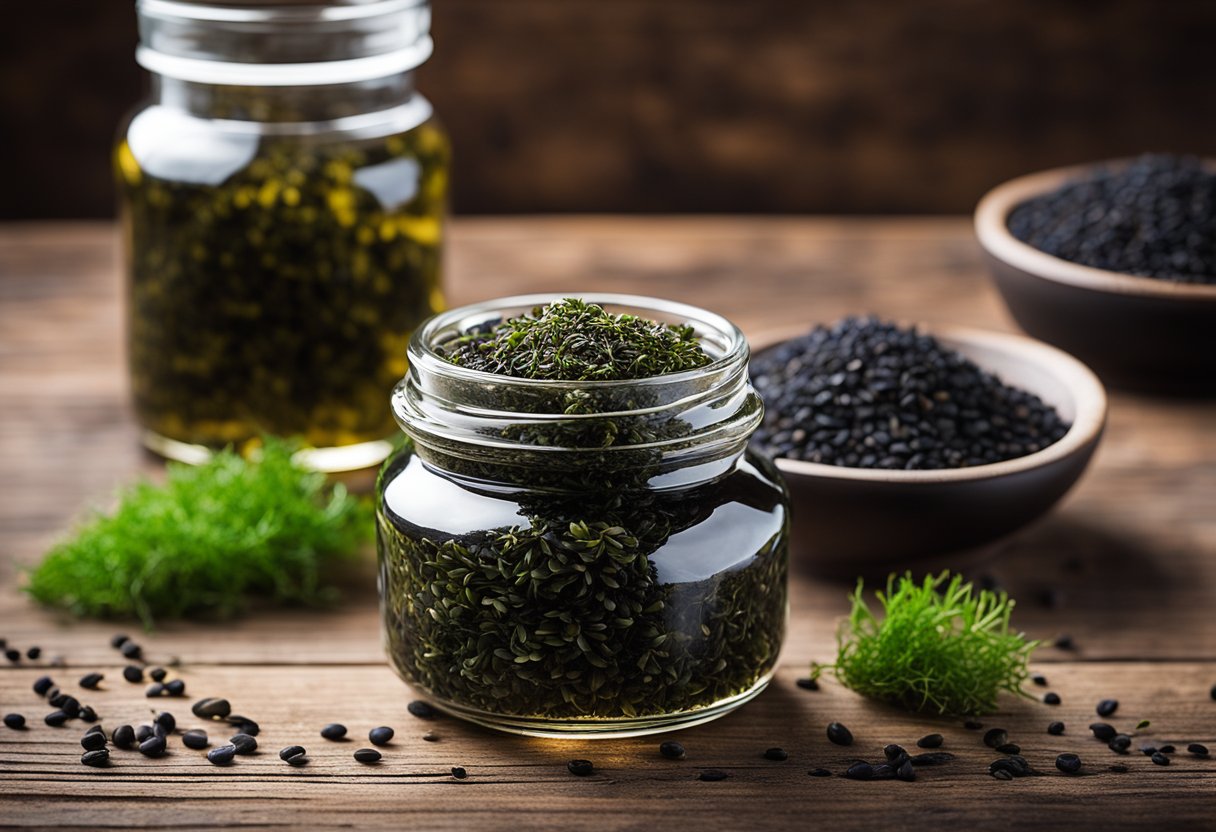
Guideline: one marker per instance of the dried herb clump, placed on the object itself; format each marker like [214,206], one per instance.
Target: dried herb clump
[940,647]
[207,540]
[573,340]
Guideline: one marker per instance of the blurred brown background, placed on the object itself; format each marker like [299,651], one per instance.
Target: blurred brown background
[866,106]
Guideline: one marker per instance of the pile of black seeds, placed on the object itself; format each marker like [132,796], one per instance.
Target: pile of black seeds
[1155,218]
[868,394]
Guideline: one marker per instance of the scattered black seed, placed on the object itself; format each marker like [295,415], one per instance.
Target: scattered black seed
[91,680]
[333,731]
[381,736]
[133,673]
[131,650]
[93,740]
[883,771]
[672,750]
[1102,731]
[222,755]
[33,653]
[211,708]
[1167,749]
[56,718]
[459,773]
[894,752]
[15,721]
[70,705]
[995,737]
[973,725]
[153,746]
[1148,750]
[931,758]
[1212,692]
[167,721]
[56,697]
[1152,217]
[776,754]
[1001,774]
[1015,765]
[1119,768]
[96,757]
[175,687]
[96,729]
[153,690]
[422,710]
[1009,748]
[293,755]
[143,732]
[1120,743]
[819,772]
[710,775]
[1056,728]
[581,768]
[808,684]
[13,655]
[1107,707]
[867,394]
[118,640]
[859,770]
[1198,749]
[158,674]
[1051,699]
[87,714]
[430,736]
[195,739]
[1160,759]
[906,772]
[839,734]
[1068,763]
[244,725]
[43,684]
[244,743]
[1065,642]
[1039,679]
[930,741]
[368,755]
[123,736]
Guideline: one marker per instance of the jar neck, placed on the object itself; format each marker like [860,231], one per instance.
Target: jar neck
[284,104]
[663,432]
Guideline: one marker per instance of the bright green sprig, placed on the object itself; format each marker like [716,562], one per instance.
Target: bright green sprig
[206,541]
[940,646]
[573,340]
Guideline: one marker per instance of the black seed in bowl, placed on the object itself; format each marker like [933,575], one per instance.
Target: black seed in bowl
[1160,759]
[380,736]
[93,740]
[244,743]
[211,708]
[333,731]
[995,737]
[14,721]
[580,768]
[1103,731]
[422,710]
[222,755]
[1051,699]
[1068,763]
[1056,728]
[368,755]
[839,734]
[195,739]
[96,757]
[930,741]
[672,750]
[459,773]
[776,754]
[293,755]
[43,684]
[712,775]
[153,746]
[1107,707]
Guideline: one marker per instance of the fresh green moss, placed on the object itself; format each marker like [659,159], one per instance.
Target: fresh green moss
[940,646]
[206,541]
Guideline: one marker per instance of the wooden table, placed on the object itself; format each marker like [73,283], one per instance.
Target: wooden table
[1127,566]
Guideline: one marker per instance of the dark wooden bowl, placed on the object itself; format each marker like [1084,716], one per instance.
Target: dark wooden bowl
[850,522]
[1138,333]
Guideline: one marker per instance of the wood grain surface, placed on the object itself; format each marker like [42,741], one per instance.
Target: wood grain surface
[1127,566]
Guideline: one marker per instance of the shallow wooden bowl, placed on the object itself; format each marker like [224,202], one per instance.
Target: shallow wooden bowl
[850,522]
[1138,333]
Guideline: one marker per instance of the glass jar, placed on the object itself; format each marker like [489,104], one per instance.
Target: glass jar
[282,195]
[581,558]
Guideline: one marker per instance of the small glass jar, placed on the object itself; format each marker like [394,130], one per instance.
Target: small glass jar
[582,558]
[283,195]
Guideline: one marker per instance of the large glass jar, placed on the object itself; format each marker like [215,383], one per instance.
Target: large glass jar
[581,558]
[282,194]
